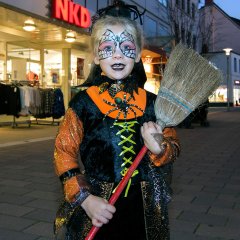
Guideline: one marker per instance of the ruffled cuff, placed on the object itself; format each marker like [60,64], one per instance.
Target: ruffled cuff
[73,186]
[80,197]
[168,154]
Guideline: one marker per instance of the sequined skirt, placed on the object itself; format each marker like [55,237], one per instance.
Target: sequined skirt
[138,216]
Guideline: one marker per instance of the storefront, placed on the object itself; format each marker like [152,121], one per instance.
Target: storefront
[154,61]
[228,93]
[45,44]
[45,49]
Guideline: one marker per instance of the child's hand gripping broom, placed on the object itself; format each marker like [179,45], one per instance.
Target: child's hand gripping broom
[188,81]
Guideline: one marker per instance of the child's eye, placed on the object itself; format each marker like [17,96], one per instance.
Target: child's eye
[127,45]
[106,46]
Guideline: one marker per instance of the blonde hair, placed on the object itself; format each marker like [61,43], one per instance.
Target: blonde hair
[131,27]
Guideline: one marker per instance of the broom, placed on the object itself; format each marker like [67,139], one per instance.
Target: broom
[188,81]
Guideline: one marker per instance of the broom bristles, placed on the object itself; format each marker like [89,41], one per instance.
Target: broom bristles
[188,80]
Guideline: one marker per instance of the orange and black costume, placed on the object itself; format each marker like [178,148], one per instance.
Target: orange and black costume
[106,132]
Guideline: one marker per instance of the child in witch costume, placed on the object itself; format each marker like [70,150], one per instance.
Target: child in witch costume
[108,124]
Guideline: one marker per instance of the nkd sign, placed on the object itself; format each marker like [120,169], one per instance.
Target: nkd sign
[71,12]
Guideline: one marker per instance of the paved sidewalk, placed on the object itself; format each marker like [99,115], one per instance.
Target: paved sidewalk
[206,183]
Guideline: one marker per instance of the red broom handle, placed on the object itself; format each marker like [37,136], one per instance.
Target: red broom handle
[120,187]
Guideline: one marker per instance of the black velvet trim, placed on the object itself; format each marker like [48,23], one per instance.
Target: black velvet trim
[70,173]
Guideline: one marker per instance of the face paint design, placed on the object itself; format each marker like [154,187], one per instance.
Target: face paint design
[109,43]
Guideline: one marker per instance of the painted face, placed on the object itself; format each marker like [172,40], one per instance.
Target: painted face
[110,42]
[116,53]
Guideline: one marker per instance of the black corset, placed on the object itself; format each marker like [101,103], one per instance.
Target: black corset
[104,152]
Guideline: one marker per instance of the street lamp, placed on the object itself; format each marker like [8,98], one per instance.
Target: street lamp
[227,53]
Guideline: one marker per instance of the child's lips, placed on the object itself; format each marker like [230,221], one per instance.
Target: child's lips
[118,66]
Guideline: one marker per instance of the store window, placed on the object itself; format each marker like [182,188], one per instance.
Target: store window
[162,30]
[52,67]
[220,95]
[2,70]
[33,72]
[163,2]
[150,27]
[23,64]
[78,68]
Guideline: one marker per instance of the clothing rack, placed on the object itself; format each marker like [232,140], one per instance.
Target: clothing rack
[54,98]
[10,103]
[15,123]
[20,99]
[40,121]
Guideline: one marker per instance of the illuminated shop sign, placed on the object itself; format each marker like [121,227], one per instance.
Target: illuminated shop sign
[71,12]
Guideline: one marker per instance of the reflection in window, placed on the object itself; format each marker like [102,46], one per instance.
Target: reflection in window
[162,30]
[150,27]
[163,2]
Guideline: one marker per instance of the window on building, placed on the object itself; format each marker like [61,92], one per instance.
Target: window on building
[188,6]
[194,42]
[239,65]
[183,4]
[101,4]
[163,2]
[183,35]
[163,30]
[189,36]
[177,2]
[235,64]
[150,27]
[177,34]
[193,10]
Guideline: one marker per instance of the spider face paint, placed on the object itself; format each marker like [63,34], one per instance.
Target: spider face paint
[109,43]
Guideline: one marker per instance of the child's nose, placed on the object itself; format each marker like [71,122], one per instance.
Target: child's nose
[118,53]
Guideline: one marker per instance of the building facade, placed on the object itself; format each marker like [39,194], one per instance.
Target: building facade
[42,54]
[184,22]
[220,31]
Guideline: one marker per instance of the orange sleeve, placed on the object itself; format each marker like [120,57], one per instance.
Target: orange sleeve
[66,151]
[172,148]
[67,143]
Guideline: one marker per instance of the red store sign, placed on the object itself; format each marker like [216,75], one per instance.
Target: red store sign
[71,12]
